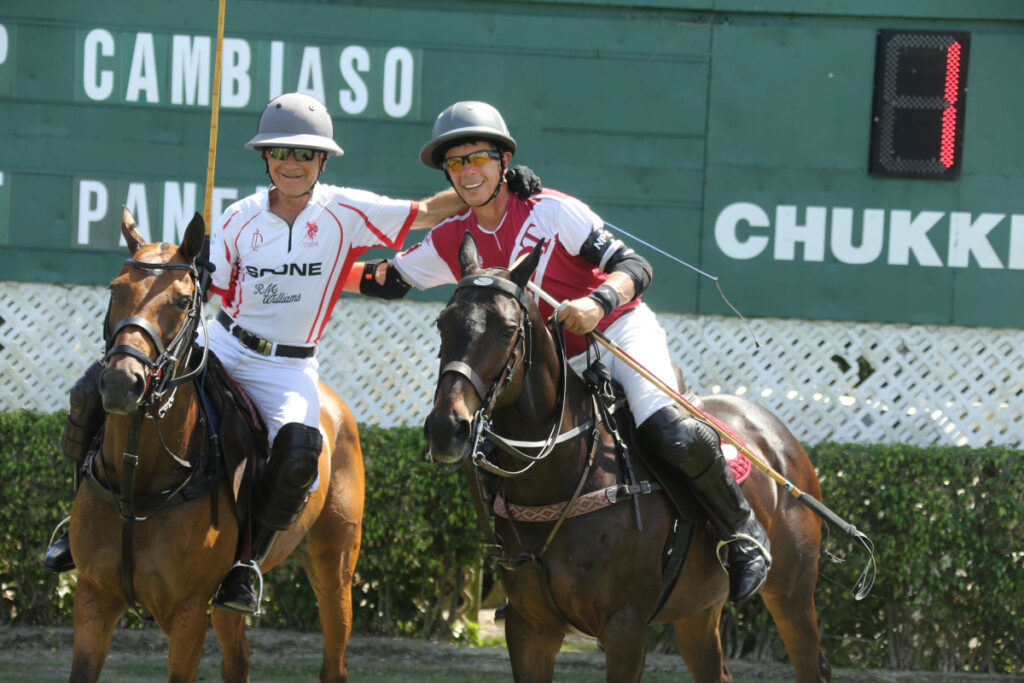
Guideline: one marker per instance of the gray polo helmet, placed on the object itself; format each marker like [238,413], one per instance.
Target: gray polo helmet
[295,120]
[470,120]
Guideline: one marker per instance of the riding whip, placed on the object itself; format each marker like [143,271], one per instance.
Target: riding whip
[702,273]
[866,580]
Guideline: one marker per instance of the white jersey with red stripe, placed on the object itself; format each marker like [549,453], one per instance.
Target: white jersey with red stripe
[564,222]
[281,282]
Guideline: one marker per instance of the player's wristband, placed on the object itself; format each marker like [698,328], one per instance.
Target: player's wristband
[607,297]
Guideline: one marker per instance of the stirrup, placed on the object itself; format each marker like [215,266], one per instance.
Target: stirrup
[253,567]
[60,525]
[765,553]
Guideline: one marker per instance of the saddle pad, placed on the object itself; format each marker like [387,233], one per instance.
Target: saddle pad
[738,463]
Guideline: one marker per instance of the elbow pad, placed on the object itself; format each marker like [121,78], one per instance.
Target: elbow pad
[611,255]
[394,287]
[635,266]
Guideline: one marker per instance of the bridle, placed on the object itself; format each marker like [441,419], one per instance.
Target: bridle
[518,359]
[162,374]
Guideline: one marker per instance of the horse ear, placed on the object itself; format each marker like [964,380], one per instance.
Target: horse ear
[195,233]
[469,257]
[524,268]
[131,231]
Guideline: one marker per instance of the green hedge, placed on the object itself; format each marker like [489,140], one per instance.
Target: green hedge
[947,524]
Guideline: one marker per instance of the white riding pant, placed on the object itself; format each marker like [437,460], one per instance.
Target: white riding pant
[283,389]
[641,336]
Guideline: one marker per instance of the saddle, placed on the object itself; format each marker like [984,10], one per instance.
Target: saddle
[237,431]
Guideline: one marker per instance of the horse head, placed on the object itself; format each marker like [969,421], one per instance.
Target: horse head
[155,305]
[485,346]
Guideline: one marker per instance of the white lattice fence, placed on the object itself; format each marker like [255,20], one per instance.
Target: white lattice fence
[856,382]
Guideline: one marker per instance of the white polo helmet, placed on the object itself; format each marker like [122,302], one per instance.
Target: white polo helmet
[295,120]
[469,121]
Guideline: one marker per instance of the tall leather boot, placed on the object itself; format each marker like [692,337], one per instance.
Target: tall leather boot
[694,448]
[278,501]
[85,417]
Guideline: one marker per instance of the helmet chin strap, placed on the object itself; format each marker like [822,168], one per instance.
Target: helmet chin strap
[497,188]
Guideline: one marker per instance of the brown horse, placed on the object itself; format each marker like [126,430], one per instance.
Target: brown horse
[180,548]
[501,377]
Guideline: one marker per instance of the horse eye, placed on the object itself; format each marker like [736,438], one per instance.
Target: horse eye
[509,332]
[183,302]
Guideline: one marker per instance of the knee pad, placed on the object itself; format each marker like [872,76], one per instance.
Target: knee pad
[688,444]
[284,488]
[85,415]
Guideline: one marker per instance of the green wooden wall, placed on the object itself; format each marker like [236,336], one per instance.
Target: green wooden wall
[736,139]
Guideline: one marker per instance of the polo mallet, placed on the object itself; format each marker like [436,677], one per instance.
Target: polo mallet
[211,156]
[867,577]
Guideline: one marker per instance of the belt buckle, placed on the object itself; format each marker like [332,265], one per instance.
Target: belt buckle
[264,347]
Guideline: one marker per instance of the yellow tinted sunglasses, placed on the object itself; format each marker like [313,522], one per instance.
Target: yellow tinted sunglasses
[475,159]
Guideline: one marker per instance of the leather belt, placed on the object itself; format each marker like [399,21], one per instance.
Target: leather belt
[261,345]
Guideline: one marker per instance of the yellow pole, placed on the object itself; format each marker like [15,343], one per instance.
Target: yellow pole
[211,159]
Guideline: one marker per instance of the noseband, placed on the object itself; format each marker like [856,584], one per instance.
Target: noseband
[160,373]
[489,395]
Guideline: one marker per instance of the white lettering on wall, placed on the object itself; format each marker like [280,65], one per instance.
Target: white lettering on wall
[726,230]
[353,60]
[142,76]
[967,237]
[276,68]
[92,206]
[98,85]
[235,82]
[136,203]
[311,74]
[190,70]
[909,234]
[3,43]
[743,231]
[871,241]
[175,202]
[398,82]
[179,207]
[177,69]
[789,232]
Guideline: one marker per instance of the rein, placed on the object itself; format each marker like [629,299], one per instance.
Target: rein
[162,377]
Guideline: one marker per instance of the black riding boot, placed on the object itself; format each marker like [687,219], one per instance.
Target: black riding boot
[85,417]
[279,498]
[694,448]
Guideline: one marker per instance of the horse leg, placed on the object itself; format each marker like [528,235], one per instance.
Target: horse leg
[700,644]
[186,634]
[624,640]
[531,647]
[234,645]
[792,610]
[95,613]
[330,568]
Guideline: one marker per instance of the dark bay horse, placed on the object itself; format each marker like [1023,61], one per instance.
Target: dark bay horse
[184,548]
[596,572]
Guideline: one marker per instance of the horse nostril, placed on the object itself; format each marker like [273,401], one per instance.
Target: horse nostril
[462,431]
[139,385]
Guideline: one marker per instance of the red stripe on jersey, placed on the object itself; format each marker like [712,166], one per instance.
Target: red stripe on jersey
[326,302]
[385,240]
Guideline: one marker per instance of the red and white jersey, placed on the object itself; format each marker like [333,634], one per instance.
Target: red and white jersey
[282,282]
[564,223]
